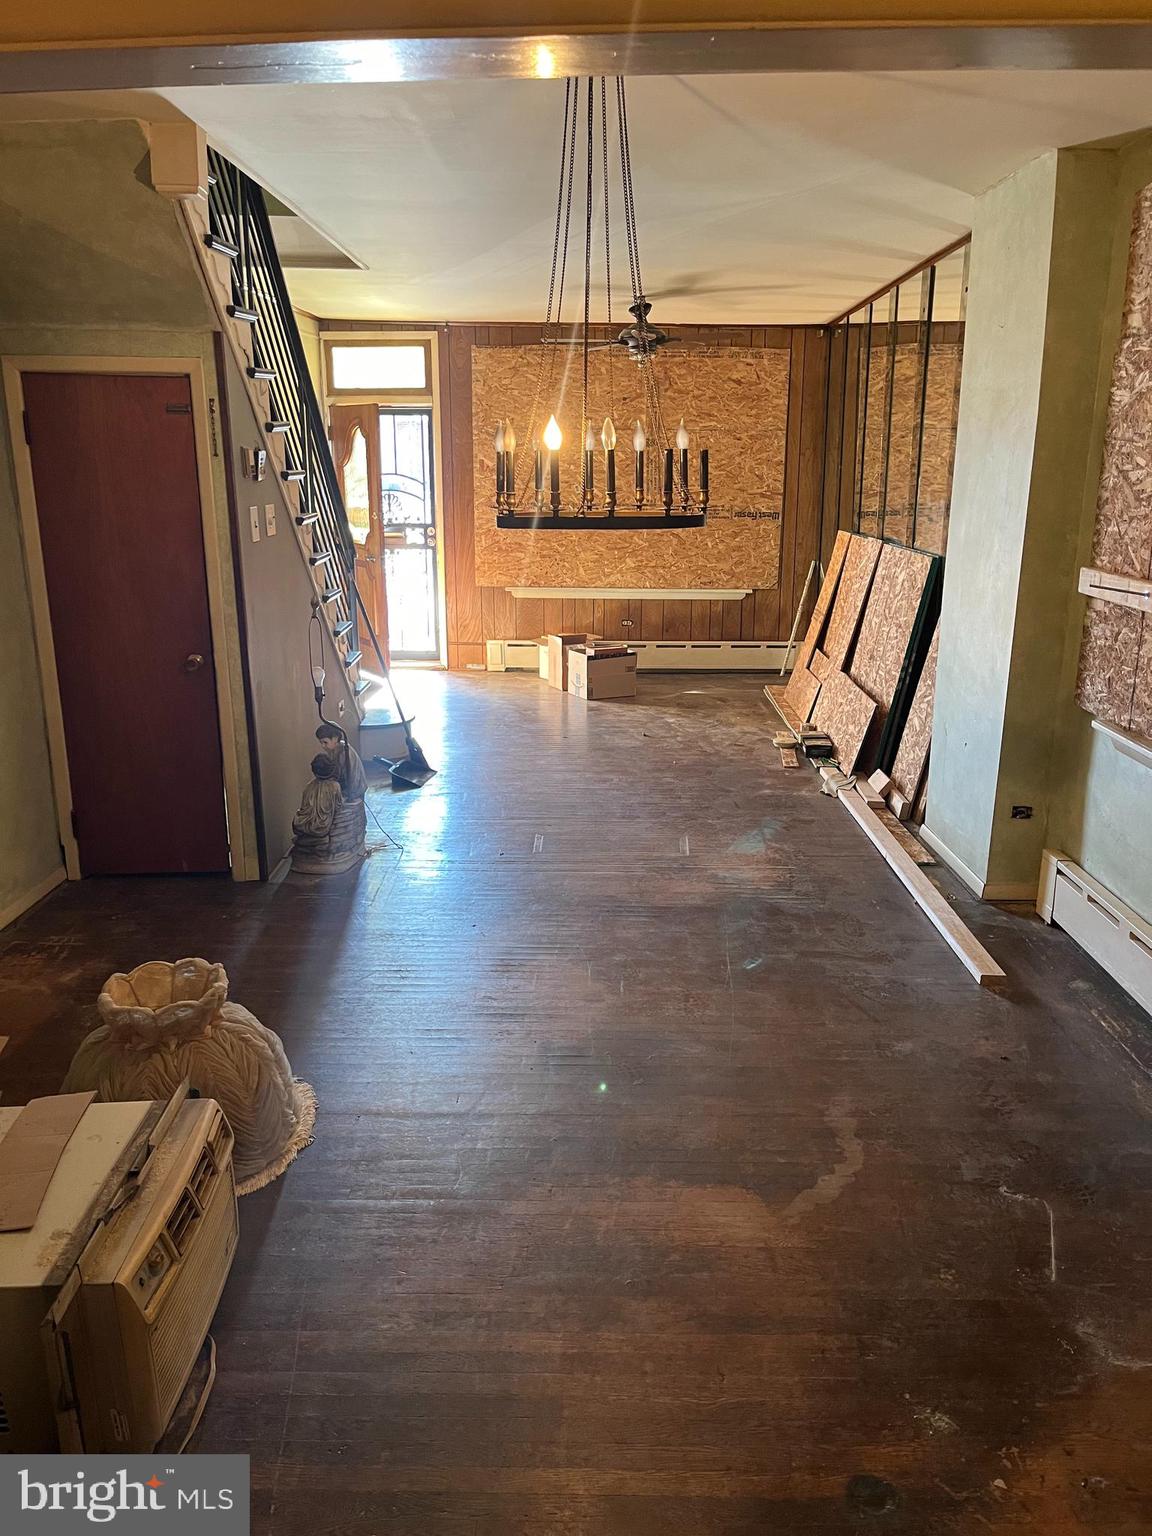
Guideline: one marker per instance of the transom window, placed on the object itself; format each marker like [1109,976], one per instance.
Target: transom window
[379,368]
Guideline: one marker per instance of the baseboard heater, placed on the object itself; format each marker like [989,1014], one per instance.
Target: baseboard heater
[1116,937]
[658,655]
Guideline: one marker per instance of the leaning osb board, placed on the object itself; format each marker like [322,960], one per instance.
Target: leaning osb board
[912,753]
[845,712]
[824,601]
[735,402]
[851,595]
[888,622]
[801,692]
[1109,681]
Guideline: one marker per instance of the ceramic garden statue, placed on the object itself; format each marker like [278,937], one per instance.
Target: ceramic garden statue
[328,829]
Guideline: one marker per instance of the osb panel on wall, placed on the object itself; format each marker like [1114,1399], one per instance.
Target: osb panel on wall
[889,618]
[1140,720]
[1109,651]
[908,769]
[1112,665]
[851,595]
[845,712]
[1123,541]
[735,402]
[938,443]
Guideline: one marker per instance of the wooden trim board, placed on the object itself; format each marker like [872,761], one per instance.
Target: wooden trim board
[972,955]
[1127,591]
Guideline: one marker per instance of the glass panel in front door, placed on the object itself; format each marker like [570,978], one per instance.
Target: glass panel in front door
[409,513]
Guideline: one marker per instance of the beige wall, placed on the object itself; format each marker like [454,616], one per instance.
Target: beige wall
[92,263]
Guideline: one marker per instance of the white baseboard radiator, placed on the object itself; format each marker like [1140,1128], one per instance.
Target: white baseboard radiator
[659,655]
[1116,937]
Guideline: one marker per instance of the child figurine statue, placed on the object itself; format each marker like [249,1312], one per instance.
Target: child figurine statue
[350,769]
[328,830]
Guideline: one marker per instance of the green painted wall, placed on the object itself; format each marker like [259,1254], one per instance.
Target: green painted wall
[1101,813]
[1047,275]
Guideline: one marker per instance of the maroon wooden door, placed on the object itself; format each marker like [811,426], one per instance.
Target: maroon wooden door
[114,466]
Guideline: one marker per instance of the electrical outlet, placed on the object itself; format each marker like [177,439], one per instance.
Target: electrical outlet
[270,520]
[254,520]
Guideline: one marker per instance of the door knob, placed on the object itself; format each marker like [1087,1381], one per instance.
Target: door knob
[194,662]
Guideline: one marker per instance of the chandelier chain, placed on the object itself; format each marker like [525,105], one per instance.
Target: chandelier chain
[607,241]
[588,190]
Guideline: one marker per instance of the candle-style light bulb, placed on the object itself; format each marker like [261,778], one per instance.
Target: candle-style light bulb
[510,461]
[589,440]
[553,437]
[639,438]
[499,437]
[682,438]
[608,438]
[501,466]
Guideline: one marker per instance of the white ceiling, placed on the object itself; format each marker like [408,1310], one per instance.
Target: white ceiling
[761,198]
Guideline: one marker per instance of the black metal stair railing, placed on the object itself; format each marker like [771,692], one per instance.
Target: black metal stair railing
[238,222]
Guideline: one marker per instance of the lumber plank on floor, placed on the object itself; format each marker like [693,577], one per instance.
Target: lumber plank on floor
[963,943]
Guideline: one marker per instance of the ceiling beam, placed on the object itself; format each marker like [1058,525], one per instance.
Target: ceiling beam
[131,63]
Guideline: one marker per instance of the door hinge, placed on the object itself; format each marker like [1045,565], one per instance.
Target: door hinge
[27,430]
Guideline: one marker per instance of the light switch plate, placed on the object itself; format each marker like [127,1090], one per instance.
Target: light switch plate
[270,520]
[254,519]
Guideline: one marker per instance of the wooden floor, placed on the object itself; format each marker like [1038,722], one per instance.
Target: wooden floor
[671,1176]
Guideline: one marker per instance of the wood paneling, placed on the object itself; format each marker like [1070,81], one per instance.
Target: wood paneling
[477,613]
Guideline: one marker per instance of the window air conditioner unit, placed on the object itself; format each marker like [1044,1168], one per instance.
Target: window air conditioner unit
[130,1281]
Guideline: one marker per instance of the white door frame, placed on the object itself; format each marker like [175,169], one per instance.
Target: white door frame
[420,401]
[245,865]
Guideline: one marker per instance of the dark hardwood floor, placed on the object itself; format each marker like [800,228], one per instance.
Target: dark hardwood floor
[671,1176]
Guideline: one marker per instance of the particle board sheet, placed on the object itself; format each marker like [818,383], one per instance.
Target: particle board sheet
[845,712]
[819,665]
[801,692]
[912,753]
[1113,682]
[1123,535]
[888,623]
[1110,649]
[824,601]
[851,597]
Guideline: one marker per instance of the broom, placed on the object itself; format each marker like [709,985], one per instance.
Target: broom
[414,770]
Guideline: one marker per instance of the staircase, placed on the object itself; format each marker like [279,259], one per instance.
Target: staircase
[238,257]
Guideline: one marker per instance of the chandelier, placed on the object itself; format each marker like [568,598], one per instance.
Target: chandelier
[661,494]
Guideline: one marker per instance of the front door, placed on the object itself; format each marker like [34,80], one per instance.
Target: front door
[118,503]
[408,497]
[356,450]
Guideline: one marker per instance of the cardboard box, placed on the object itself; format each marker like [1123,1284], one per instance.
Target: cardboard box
[601,677]
[557,647]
